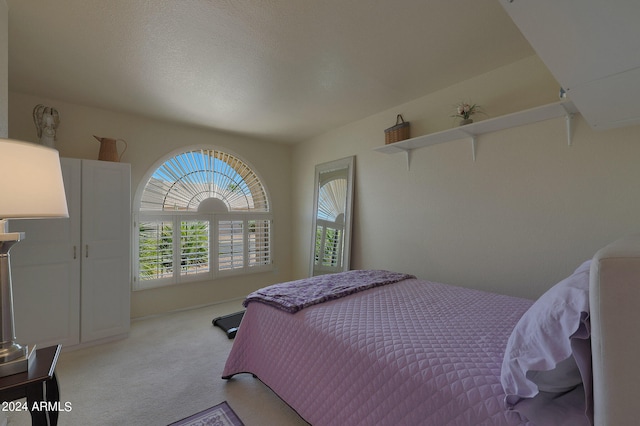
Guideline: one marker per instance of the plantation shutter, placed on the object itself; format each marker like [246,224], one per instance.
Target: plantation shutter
[230,244]
[194,247]
[155,250]
[259,242]
[184,181]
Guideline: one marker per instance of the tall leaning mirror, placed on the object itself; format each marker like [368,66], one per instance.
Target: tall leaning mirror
[332,215]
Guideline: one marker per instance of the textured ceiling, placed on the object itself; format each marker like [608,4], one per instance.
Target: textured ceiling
[282,70]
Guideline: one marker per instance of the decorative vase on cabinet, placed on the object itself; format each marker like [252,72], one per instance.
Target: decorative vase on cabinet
[72,276]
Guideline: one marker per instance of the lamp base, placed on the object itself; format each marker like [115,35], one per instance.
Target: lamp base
[18,364]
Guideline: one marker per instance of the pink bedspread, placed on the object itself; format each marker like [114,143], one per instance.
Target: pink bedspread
[408,353]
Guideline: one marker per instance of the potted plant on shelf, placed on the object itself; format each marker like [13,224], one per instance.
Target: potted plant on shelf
[465,110]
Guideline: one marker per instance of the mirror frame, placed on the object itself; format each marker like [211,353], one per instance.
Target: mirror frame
[347,164]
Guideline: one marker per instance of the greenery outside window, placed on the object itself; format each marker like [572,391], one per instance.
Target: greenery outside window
[330,226]
[201,214]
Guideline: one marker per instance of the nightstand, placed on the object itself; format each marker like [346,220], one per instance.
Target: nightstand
[39,385]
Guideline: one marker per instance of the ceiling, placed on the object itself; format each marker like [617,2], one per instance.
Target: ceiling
[280,70]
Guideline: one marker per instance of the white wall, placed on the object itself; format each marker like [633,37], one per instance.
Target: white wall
[148,142]
[516,221]
[4,69]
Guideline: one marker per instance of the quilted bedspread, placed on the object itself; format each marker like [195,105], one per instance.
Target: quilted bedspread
[410,353]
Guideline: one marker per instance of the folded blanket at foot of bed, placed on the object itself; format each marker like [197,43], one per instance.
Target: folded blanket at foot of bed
[295,295]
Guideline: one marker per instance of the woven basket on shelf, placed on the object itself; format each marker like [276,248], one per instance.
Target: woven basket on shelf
[397,133]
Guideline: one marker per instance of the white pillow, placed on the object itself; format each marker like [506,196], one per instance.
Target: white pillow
[539,356]
[563,378]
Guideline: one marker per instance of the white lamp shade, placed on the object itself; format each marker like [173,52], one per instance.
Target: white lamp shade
[31,185]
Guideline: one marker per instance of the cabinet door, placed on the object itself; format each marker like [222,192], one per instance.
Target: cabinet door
[106,223]
[45,269]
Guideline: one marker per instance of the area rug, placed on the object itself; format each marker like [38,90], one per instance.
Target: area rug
[219,415]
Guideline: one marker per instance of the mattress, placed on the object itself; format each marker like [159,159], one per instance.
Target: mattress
[413,352]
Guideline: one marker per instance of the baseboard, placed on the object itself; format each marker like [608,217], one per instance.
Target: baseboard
[189,308]
[95,342]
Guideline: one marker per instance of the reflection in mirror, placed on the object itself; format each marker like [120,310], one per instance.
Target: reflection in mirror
[331,237]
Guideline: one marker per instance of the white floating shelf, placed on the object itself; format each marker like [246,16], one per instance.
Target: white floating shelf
[546,112]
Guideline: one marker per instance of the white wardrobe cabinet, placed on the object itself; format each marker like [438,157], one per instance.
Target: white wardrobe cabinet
[71,277]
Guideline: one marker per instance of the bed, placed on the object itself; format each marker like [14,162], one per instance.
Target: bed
[401,350]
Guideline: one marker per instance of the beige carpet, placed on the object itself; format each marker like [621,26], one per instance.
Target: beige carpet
[168,369]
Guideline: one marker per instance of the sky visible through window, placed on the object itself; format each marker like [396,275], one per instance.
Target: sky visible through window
[185,180]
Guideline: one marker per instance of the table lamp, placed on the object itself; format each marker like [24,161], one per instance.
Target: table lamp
[32,188]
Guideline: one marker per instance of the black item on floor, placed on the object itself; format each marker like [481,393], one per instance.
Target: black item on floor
[229,323]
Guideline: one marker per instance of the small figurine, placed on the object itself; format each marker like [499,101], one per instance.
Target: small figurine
[46,120]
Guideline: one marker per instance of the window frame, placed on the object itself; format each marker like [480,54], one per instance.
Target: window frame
[213,218]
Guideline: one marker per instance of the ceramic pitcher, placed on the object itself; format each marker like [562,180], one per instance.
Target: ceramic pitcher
[109,149]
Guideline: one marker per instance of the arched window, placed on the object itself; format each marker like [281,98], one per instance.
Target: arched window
[201,214]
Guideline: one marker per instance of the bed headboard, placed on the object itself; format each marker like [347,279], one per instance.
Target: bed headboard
[614,293]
